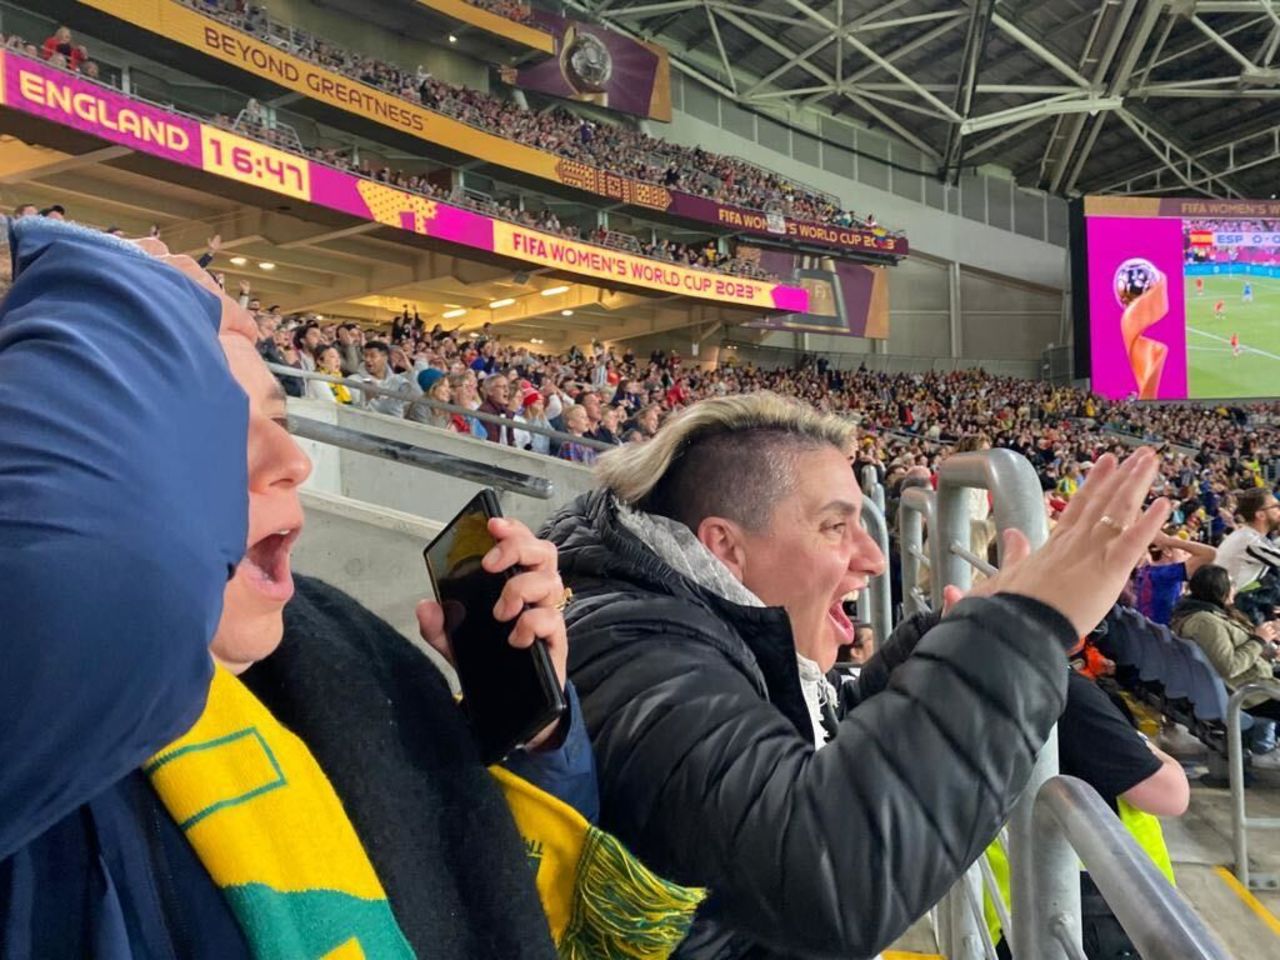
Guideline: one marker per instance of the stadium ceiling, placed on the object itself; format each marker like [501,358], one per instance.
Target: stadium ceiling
[1073,96]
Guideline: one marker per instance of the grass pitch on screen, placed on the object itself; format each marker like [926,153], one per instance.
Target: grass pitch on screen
[1211,370]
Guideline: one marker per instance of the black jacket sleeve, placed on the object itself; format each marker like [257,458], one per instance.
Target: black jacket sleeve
[830,853]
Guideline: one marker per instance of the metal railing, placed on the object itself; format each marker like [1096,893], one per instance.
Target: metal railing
[915,514]
[1059,822]
[879,606]
[1070,819]
[500,478]
[366,387]
[1240,823]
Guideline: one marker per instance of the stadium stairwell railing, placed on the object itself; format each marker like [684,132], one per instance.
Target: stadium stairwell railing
[1059,822]
[1240,823]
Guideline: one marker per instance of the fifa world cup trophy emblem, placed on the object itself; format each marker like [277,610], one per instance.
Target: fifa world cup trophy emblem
[1143,292]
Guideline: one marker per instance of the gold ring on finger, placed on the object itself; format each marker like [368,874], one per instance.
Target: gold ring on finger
[1113,523]
[564,600]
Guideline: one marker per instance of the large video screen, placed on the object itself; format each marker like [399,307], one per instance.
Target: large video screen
[1183,297]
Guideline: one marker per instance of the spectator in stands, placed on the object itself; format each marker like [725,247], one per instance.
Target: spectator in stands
[535,414]
[497,400]
[590,402]
[326,360]
[1250,554]
[576,423]
[863,647]
[60,44]
[609,429]
[1098,743]
[350,348]
[647,421]
[463,386]
[306,338]
[699,655]
[1238,650]
[1171,562]
[377,371]
[434,385]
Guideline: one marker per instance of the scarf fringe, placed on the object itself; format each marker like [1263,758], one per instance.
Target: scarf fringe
[624,911]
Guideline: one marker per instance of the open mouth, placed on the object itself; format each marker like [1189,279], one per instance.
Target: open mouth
[266,564]
[840,620]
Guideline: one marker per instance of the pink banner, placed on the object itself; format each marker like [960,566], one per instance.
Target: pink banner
[68,100]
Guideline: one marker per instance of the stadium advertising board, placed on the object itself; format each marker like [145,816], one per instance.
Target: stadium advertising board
[599,66]
[845,298]
[469,13]
[191,28]
[34,88]
[741,220]
[1183,297]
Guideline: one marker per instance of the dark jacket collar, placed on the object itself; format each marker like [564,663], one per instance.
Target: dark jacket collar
[595,546]
[1189,605]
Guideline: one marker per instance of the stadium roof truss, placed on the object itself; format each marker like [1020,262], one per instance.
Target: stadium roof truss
[1074,96]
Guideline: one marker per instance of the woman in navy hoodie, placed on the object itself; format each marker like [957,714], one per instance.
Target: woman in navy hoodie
[126,448]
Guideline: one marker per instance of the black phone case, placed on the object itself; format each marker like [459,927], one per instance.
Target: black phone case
[554,702]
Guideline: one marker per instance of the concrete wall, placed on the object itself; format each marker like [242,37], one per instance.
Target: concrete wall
[422,493]
[370,552]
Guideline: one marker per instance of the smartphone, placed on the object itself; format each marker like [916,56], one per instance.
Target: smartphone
[509,695]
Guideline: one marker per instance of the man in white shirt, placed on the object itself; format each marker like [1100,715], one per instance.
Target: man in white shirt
[1249,553]
[377,369]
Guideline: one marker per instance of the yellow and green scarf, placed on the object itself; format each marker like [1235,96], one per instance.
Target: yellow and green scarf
[268,826]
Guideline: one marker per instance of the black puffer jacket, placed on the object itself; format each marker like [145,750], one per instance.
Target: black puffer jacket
[705,751]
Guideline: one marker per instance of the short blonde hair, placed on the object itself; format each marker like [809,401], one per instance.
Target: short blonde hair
[728,456]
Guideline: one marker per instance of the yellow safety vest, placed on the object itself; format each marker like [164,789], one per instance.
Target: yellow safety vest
[1143,827]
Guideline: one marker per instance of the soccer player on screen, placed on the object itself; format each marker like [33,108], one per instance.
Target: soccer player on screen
[1235,345]
[1199,286]
[1247,295]
[1219,309]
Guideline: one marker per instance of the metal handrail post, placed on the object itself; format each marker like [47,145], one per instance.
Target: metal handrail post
[1162,925]
[1240,823]
[970,939]
[1017,503]
[915,512]
[879,601]
[872,487]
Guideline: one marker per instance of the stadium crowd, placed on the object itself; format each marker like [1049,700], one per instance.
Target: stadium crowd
[253,122]
[907,420]
[507,9]
[125,826]
[611,147]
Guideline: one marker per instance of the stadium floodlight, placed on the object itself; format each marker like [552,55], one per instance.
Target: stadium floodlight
[566,313]
[452,38]
[266,265]
[504,302]
[453,314]
[555,291]
[239,261]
